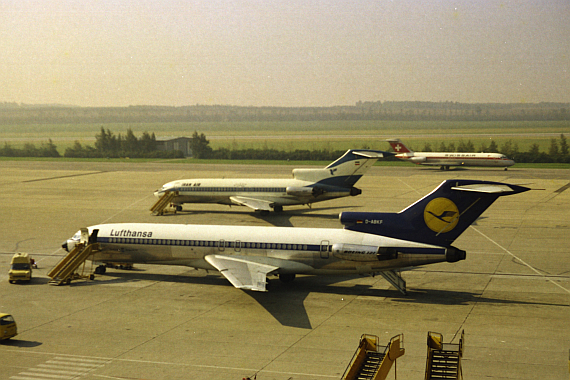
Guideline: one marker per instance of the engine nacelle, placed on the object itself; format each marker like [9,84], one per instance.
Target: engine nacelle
[355,191]
[303,191]
[355,252]
[418,160]
[312,175]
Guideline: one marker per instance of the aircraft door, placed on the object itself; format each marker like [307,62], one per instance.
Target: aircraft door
[84,235]
[324,249]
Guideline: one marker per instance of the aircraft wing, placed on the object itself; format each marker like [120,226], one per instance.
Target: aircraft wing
[256,204]
[242,273]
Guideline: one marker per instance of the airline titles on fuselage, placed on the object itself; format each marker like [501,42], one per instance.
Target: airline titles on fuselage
[129,233]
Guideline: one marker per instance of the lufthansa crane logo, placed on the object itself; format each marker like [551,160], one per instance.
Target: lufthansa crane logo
[441,215]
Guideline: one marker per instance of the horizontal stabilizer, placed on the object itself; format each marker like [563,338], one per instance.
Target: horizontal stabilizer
[256,204]
[485,188]
[372,154]
[242,273]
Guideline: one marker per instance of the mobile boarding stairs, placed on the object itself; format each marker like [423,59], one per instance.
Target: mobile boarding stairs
[372,361]
[67,269]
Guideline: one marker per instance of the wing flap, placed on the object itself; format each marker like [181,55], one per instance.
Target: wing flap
[256,204]
[242,273]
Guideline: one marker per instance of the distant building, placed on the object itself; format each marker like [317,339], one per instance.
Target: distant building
[175,143]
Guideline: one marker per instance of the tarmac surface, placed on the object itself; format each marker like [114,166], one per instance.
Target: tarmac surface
[511,295]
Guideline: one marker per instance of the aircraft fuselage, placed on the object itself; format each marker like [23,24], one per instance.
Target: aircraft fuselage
[280,191]
[296,250]
[457,159]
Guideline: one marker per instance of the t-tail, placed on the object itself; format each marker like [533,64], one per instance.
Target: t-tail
[399,147]
[345,171]
[439,217]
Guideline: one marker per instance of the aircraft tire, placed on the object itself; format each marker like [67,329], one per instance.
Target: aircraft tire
[278,208]
[286,277]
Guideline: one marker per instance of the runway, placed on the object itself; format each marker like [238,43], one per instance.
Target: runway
[511,295]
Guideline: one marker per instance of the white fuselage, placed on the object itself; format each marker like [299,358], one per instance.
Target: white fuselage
[278,191]
[293,250]
[457,159]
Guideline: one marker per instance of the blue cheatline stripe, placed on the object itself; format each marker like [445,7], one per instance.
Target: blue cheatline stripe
[251,245]
[210,243]
[227,189]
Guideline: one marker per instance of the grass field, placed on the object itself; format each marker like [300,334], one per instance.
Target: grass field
[312,135]
[247,162]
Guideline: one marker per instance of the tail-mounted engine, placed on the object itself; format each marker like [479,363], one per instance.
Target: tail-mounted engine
[304,191]
[356,252]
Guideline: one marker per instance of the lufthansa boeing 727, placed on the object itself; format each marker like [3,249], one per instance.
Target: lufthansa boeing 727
[306,187]
[447,159]
[369,243]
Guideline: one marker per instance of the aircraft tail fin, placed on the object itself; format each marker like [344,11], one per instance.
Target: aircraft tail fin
[399,146]
[345,171]
[439,217]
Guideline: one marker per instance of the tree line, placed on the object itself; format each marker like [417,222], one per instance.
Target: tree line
[109,145]
[30,150]
[557,151]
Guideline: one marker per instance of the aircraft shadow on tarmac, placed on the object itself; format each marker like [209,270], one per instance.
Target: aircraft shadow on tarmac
[278,219]
[285,301]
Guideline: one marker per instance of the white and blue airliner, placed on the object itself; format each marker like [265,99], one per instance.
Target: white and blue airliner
[369,243]
[305,188]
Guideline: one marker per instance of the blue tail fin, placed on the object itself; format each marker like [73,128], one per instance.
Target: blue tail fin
[439,217]
[345,171]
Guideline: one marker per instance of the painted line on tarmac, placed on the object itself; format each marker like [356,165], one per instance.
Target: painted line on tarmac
[126,208]
[70,361]
[522,261]
[61,367]
[62,176]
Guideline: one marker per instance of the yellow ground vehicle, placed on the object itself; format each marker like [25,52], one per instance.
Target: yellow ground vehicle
[8,327]
[20,268]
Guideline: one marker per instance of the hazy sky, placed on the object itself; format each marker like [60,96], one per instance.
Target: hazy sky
[283,53]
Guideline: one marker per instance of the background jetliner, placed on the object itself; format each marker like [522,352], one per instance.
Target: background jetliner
[447,159]
[369,243]
[307,186]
